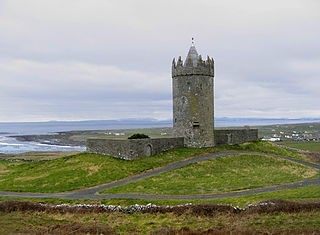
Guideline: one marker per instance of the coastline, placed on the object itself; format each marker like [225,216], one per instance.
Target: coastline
[60,139]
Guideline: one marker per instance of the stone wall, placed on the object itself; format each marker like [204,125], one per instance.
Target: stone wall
[235,136]
[131,149]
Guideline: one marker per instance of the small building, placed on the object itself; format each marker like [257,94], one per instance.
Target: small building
[272,139]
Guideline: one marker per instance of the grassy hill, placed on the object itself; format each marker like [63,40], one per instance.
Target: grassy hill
[223,174]
[85,170]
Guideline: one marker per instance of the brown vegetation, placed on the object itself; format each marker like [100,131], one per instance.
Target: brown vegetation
[77,228]
[272,216]
[268,206]
[312,156]
[242,231]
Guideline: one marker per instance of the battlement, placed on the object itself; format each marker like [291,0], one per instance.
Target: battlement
[193,67]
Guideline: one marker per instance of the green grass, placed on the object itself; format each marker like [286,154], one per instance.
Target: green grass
[81,170]
[264,147]
[308,193]
[37,156]
[225,174]
[309,146]
[85,170]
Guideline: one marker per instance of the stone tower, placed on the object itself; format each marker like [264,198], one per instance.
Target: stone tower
[193,100]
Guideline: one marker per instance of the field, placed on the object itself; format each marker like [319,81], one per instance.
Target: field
[38,156]
[80,171]
[231,173]
[308,146]
[288,128]
[280,217]
[85,170]
[123,134]
[63,173]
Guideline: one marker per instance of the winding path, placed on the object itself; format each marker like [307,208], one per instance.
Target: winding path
[91,193]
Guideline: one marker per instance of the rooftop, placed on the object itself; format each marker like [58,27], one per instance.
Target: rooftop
[193,55]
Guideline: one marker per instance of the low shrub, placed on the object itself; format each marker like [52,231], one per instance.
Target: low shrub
[138,136]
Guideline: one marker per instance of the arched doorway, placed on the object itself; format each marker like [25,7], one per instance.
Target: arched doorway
[148,150]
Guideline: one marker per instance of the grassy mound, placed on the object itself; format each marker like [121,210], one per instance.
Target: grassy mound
[85,170]
[264,147]
[308,146]
[81,170]
[225,174]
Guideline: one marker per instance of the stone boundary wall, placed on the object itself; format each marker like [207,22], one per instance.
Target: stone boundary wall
[130,149]
[235,136]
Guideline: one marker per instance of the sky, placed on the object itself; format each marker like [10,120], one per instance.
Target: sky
[111,59]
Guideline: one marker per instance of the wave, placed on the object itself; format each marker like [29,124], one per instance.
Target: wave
[58,146]
[10,144]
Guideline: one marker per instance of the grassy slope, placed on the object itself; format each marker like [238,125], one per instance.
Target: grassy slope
[81,170]
[221,175]
[310,146]
[298,194]
[38,156]
[84,170]
[264,147]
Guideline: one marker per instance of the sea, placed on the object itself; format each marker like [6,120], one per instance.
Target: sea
[9,145]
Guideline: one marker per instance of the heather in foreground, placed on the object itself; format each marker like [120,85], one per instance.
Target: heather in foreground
[270,216]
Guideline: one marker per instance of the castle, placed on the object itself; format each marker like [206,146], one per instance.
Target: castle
[193,116]
[193,99]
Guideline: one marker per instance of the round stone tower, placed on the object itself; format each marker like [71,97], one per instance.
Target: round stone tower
[193,105]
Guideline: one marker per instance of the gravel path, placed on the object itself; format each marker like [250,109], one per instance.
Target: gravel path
[91,193]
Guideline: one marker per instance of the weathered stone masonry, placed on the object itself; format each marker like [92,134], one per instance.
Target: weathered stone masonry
[130,149]
[235,136]
[193,104]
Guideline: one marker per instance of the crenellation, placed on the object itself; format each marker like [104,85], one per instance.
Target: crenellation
[180,62]
[174,64]
[205,68]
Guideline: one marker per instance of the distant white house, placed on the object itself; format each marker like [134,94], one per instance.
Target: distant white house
[118,134]
[272,139]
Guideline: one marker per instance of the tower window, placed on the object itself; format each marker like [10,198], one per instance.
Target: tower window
[189,86]
[195,124]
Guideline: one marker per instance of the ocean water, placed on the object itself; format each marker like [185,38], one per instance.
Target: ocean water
[11,145]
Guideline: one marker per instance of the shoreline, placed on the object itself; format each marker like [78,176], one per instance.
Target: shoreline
[56,139]
[67,138]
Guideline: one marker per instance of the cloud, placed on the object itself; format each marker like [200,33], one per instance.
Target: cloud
[97,59]
[71,88]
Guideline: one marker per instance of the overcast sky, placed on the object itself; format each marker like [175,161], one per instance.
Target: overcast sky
[111,59]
